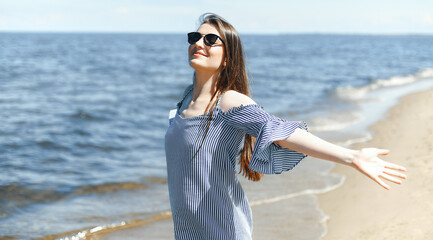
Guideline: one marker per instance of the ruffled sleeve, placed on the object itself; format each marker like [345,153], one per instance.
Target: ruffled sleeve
[267,157]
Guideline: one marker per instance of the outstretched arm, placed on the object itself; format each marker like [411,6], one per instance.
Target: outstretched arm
[365,160]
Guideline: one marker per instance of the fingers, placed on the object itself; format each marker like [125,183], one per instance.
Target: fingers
[381,183]
[395,166]
[394,173]
[382,151]
[390,178]
[388,164]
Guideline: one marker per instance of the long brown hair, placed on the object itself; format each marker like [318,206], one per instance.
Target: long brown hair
[232,76]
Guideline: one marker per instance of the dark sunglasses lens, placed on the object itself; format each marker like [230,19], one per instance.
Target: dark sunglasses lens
[193,37]
[210,39]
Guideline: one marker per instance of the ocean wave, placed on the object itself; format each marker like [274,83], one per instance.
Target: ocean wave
[14,197]
[47,144]
[350,142]
[350,93]
[97,232]
[99,147]
[333,122]
[83,115]
[301,193]
[109,187]
[81,132]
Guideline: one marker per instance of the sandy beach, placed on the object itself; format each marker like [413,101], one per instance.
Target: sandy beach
[360,208]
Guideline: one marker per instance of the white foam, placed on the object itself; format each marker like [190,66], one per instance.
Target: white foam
[349,142]
[297,194]
[350,93]
[425,73]
[84,234]
[333,122]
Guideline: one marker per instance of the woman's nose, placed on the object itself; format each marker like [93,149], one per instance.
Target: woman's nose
[200,43]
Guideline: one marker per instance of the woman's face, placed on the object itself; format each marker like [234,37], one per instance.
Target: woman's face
[203,57]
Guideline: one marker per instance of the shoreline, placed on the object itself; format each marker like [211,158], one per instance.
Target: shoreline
[360,208]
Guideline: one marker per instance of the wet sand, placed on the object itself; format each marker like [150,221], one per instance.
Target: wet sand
[361,209]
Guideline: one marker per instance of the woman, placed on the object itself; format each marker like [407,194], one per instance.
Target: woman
[217,124]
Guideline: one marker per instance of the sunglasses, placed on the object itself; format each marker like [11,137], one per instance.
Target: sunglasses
[209,39]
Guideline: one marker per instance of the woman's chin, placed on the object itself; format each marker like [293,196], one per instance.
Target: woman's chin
[193,62]
[199,66]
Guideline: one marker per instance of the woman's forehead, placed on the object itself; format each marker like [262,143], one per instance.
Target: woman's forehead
[207,28]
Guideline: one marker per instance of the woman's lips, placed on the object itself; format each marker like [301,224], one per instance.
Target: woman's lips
[197,53]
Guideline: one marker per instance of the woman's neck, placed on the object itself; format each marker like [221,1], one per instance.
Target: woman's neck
[204,85]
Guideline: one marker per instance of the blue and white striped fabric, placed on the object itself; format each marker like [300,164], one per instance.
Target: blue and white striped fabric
[206,198]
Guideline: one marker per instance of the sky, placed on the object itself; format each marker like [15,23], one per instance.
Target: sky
[252,16]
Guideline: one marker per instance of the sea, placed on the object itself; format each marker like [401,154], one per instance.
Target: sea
[83,118]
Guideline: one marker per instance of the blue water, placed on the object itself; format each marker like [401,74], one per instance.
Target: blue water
[83,116]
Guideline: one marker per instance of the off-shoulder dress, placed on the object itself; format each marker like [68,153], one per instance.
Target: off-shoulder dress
[206,198]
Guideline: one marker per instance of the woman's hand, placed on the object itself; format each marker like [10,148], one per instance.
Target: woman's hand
[367,161]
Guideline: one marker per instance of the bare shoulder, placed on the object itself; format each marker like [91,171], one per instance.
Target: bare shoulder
[233,98]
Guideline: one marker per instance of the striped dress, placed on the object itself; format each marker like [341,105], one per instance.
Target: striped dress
[206,198]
